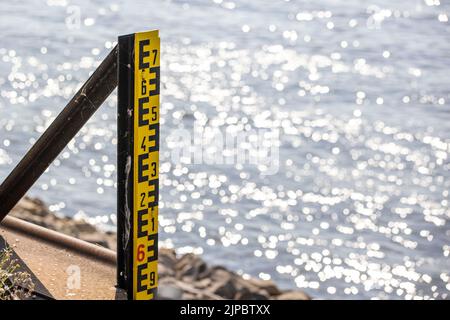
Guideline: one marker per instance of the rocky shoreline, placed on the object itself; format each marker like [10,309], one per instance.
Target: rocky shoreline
[180,277]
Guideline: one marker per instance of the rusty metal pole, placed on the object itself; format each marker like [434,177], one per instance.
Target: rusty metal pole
[76,113]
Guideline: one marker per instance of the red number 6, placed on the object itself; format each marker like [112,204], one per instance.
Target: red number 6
[140,253]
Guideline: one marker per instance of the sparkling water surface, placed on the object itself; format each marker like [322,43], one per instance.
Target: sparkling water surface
[359,93]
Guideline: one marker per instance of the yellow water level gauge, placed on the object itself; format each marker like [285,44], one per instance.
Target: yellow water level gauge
[138,163]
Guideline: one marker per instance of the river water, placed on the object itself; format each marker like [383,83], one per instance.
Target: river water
[358,94]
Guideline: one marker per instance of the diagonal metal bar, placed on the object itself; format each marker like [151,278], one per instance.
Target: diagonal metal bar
[71,119]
